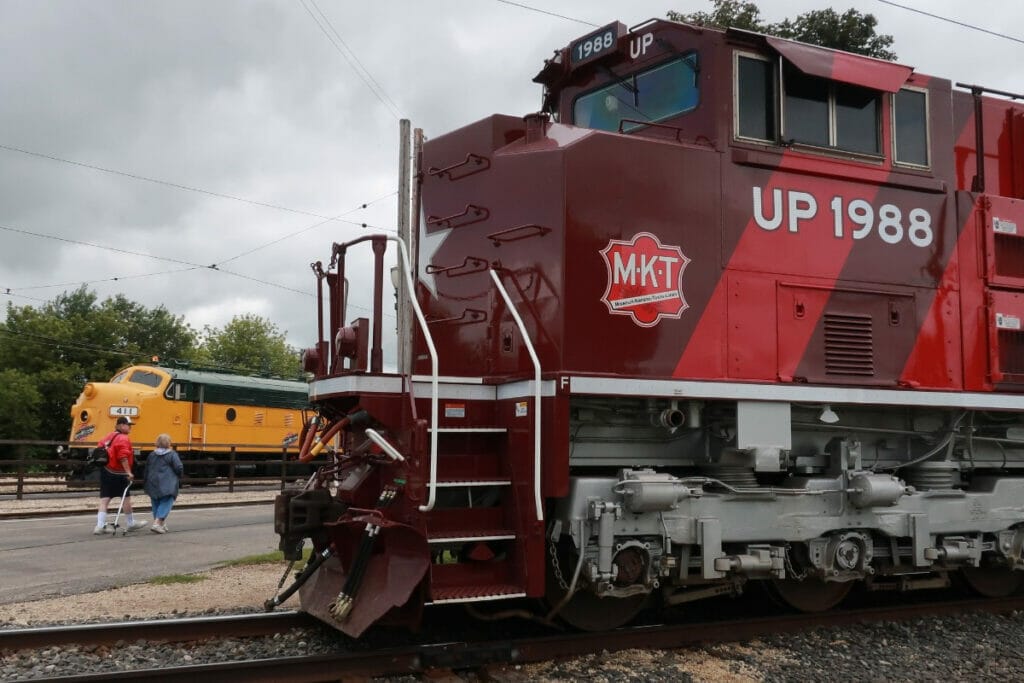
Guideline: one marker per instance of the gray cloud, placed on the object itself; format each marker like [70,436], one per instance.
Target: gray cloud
[250,99]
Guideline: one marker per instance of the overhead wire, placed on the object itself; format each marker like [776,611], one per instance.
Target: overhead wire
[550,14]
[948,20]
[364,205]
[43,340]
[191,265]
[353,61]
[168,183]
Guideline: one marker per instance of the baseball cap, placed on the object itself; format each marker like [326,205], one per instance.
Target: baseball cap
[124,420]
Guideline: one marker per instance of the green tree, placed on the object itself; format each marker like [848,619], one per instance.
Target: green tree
[71,340]
[21,400]
[851,31]
[249,344]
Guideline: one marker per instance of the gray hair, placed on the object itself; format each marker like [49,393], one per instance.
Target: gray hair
[163,441]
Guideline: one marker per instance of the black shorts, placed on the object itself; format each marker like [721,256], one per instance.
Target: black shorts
[112,485]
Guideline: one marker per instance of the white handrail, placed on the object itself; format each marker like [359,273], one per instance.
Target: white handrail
[384,445]
[536,392]
[411,292]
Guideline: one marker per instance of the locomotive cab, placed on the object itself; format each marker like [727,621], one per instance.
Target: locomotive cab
[730,308]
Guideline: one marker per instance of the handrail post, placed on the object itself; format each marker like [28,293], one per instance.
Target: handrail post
[418,311]
[536,391]
[231,470]
[376,350]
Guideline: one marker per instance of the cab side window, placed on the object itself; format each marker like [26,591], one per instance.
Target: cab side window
[910,127]
[755,98]
[812,110]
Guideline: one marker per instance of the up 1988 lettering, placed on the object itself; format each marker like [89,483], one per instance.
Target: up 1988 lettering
[857,214]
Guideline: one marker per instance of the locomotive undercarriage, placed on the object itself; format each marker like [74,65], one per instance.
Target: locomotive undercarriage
[810,498]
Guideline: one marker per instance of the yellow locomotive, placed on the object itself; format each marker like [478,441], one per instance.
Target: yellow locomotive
[205,413]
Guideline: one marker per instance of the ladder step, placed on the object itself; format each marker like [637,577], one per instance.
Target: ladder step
[451,483]
[447,596]
[469,535]
[469,430]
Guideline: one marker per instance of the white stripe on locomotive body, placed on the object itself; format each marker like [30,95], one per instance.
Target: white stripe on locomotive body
[679,389]
[472,388]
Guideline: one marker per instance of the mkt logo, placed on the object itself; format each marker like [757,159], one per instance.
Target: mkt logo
[645,279]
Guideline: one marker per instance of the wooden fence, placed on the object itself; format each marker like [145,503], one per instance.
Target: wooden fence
[202,468]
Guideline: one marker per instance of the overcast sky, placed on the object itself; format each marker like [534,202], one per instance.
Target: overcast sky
[250,99]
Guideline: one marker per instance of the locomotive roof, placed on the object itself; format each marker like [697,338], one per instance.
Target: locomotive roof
[237,381]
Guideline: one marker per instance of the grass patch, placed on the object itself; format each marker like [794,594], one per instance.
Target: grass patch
[266,558]
[176,578]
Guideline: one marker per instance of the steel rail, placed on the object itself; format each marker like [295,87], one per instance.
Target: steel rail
[472,655]
[167,630]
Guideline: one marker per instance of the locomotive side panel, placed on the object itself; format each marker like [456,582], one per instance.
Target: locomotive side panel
[642,246]
[474,219]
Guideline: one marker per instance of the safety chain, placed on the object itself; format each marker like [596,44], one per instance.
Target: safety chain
[288,569]
[790,569]
[556,566]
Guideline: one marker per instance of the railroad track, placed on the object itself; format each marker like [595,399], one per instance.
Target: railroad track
[456,655]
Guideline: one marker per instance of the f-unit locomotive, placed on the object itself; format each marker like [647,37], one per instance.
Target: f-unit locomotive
[206,414]
[730,308]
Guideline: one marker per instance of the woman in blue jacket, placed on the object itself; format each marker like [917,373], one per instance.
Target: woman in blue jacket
[163,470]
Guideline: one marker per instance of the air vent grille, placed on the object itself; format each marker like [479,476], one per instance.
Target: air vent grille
[849,345]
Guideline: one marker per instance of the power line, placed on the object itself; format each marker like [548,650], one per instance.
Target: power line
[544,11]
[97,246]
[315,225]
[212,266]
[178,186]
[946,19]
[192,266]
[108,279]
[353,60]
[79,346]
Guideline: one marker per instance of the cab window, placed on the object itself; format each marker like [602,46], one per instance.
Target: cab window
[649,96]
[813,111]
[910,127]
[149,379]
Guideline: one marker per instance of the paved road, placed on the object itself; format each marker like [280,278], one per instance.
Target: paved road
[60,556]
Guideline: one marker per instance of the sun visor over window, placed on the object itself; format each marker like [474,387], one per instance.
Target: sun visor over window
[845,67]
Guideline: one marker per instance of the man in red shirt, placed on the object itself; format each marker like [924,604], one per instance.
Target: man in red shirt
[117,475]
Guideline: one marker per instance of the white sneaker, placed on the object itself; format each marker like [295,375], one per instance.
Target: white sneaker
[158,529]
[100,529]
[138,524]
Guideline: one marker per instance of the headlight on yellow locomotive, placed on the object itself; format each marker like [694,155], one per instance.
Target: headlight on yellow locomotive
[89,390]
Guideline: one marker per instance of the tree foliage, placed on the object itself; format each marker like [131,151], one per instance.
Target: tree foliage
[70,340]
[249,344]
[851,31]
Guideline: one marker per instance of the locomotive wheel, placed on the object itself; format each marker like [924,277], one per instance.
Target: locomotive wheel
[586,611]
[809,595]
[992,582]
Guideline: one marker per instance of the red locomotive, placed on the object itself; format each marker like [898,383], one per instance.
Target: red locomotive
[730,308]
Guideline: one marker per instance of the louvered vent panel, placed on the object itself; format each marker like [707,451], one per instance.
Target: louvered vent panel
[1011,352]
[849,345]
[1009,255]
